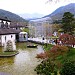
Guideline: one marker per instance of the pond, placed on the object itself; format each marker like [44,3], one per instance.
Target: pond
[23,63]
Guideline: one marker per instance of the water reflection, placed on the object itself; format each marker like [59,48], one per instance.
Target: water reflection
[5,61]
[23,63]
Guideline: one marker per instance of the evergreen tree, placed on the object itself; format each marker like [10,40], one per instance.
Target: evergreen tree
[68,22]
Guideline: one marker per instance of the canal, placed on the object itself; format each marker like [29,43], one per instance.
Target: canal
[22,64]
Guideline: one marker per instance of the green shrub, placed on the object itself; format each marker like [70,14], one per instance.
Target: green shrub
[46,68]
[9,46]
[47,46]
[68,68]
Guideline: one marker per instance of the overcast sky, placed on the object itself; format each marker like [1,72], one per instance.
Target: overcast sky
[31,6]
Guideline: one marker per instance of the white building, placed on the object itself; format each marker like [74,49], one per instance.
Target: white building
[7,33]
[40,27]
[4,37]
[23,36]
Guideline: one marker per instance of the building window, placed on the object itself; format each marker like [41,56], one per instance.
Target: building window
[0,37]
[0,24]
[5,38]
[24,36]
[11,36]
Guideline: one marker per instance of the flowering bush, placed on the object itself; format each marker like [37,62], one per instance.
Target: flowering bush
[58,48]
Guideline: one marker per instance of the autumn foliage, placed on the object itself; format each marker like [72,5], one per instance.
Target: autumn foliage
[41,55]
[67,39]
[53,52]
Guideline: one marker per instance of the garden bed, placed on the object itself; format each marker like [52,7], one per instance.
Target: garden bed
[8,54]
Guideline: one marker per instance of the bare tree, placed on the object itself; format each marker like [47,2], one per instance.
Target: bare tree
[53,1]
[56,1]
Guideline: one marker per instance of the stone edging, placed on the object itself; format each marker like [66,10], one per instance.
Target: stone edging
[9,55]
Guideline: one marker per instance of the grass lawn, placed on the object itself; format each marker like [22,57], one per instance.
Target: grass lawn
[47,47]
[70,55]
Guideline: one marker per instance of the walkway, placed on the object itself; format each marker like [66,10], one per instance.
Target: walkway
[40,40]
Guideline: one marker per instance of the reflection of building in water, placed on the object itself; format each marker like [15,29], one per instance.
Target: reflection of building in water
[23,36]
[40,27]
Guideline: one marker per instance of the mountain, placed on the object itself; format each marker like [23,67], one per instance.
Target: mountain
[10,16]
[31,16]
[58,13]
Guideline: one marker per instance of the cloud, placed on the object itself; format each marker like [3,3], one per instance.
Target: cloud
[30,6]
